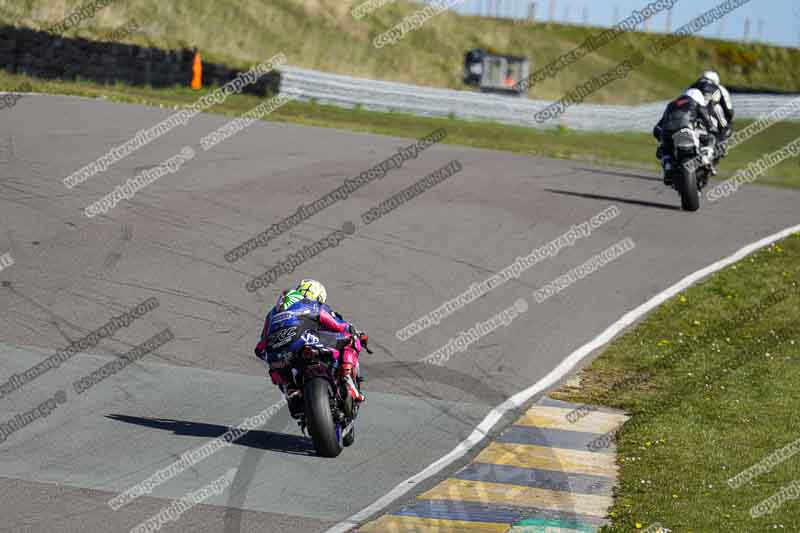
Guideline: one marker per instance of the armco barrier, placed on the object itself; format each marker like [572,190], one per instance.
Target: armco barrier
[346,91]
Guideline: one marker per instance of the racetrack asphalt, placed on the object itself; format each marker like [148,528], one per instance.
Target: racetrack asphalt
[71,274]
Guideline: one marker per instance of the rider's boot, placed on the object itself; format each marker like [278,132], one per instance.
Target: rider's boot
[666,164]
[294,399]
[346,375]
[712,169]
[297,410]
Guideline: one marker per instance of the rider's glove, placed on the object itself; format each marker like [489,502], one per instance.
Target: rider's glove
[261,354]
[657,131]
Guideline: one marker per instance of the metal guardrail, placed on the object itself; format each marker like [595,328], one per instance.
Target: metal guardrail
[345,91]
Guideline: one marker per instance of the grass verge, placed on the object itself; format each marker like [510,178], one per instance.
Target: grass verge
[623,149]
[711,380]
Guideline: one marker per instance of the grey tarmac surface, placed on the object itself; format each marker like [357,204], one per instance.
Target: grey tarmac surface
[72,274]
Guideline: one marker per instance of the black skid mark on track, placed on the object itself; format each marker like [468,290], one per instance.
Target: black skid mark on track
[116,255]
[7,149]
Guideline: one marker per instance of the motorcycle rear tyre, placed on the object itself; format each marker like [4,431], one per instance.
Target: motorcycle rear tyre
[319,418]
[687,187]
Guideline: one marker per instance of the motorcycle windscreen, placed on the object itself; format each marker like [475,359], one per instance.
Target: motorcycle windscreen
[685,139]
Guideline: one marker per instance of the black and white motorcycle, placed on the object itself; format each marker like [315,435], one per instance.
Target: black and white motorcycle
[690,164]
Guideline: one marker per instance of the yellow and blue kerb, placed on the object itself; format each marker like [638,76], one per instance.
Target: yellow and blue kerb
[539,476]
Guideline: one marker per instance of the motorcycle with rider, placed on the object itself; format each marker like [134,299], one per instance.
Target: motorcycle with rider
[692,134]
[313,357]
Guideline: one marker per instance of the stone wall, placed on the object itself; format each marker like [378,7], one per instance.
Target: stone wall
[43,55]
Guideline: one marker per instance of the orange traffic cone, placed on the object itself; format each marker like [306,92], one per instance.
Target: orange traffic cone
[197,71]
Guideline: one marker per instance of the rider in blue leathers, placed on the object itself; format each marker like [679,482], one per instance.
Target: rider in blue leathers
[286,330]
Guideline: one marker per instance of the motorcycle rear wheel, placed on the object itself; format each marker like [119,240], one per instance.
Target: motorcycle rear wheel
[319,418]
[687,187]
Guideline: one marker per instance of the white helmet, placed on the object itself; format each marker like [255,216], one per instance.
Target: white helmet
[711,76]
[696,95]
